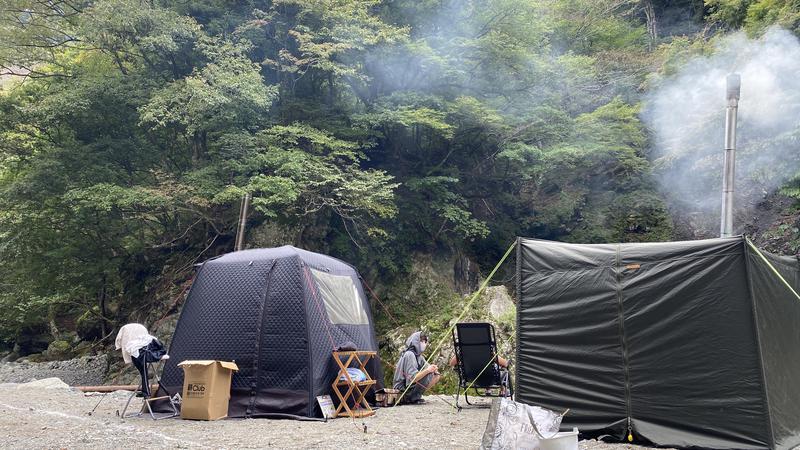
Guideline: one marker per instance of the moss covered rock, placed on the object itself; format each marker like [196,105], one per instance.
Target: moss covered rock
[58,349]
[89,325]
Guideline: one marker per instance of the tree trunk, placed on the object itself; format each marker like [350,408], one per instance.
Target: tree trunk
[102,304]
[652,24]
[53,328]
[197,147]
[331,91]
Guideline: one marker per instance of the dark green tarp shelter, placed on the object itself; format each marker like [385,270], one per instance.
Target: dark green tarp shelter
[683,344]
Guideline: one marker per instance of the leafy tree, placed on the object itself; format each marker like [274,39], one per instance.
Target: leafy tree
[128,165]
[755,15]
[373,130]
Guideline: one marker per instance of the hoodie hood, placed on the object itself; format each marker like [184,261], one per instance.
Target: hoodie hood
[413,343]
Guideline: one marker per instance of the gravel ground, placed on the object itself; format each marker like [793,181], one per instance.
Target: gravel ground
[48,414]
[86,371]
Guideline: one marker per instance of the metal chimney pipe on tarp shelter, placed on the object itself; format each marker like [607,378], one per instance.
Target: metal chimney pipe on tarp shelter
[734,83]
[241,229]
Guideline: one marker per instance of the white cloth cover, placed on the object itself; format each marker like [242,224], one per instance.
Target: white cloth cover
[130,339]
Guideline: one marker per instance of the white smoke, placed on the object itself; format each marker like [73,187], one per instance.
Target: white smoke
[686,115]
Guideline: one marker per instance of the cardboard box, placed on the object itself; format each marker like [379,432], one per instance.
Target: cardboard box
[206,389]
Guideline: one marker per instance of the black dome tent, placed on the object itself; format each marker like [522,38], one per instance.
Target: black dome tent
[681,344]
[278,313]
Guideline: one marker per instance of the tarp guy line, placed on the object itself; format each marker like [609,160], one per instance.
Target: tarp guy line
[786,283]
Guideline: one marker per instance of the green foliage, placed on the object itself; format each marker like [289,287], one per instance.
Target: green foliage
[755,15]
[449,210]
[369,129]
[33,34]
[764,13]
[595,187]
[125,161]
[729,12]
[301,170]
[227,92]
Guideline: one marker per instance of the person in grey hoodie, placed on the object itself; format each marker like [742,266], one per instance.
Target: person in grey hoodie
[413,370]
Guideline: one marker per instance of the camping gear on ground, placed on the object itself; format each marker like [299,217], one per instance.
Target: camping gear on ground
[143,350]
[278,313]
[386,397]
[514,425]
[477,366]
[676,344]
[206,389]
[354,374]
[356,389]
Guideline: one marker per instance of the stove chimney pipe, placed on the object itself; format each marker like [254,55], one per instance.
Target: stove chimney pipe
[734,82]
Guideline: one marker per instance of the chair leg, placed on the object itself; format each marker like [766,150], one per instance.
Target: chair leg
[148,398]
[172,400]
[160,386]
[478,393]
[466,397]
[167,415]
[150,410]
[127,404]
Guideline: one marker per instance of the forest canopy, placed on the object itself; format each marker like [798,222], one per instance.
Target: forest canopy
[371,130]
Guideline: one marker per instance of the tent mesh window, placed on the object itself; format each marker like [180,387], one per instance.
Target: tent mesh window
[342,302]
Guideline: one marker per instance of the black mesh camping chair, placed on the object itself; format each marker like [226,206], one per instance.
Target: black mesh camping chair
[148,355]
[153,353]
[477,364]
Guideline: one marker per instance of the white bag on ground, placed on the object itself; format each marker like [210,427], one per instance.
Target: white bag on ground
[514,425]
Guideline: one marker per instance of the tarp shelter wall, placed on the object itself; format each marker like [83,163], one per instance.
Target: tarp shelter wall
[263,309]
[686,343]
[779,333]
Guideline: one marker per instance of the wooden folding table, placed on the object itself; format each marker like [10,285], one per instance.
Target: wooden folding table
[356,390]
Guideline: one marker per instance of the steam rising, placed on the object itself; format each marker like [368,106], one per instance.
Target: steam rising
[686,115]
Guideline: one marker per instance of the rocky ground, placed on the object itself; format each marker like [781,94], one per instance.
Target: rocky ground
[90,370]
[49,414]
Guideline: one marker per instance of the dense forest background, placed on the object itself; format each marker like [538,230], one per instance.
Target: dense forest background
[383,132]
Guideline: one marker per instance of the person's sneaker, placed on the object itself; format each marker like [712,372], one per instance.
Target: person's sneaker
[420,402]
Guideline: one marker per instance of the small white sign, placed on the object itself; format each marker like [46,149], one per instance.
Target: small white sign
[326,405]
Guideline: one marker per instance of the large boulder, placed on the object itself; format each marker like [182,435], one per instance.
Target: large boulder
[58,349]
[499,303]
[32,339]
[430,298]
[164,328]
[48,384]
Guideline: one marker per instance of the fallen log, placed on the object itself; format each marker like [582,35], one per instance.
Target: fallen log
[113,387]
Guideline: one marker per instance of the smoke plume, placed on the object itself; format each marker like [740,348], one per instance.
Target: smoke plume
[686,115]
